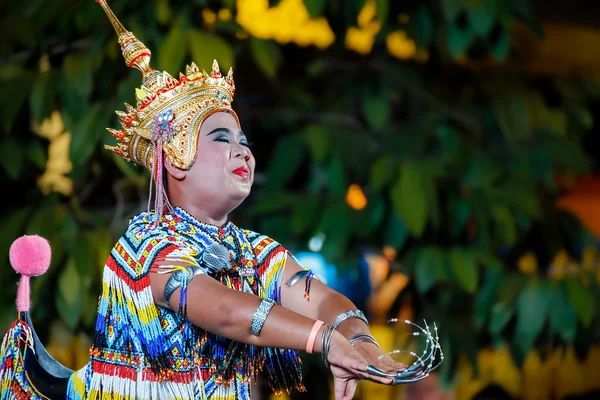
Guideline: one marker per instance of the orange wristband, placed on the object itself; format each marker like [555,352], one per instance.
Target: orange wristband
[313,335]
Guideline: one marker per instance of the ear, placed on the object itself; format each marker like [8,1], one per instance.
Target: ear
[172,170]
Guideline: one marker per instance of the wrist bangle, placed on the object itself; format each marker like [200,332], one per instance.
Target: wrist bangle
[310,345]
[260,315]
[349,314]
[325,342]
[363,337]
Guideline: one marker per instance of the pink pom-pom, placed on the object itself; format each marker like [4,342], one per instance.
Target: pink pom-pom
[30,255]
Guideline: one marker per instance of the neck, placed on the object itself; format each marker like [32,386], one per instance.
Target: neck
[202,215]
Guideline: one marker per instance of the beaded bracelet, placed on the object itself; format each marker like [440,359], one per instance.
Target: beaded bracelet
[260,315]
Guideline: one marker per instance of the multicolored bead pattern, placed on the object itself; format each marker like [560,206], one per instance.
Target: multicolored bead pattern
[144,351]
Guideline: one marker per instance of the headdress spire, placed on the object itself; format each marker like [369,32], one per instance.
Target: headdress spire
[136,54]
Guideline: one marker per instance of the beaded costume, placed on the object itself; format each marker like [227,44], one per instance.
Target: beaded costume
[144,351]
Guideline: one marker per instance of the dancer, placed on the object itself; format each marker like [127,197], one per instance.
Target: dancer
[192,306]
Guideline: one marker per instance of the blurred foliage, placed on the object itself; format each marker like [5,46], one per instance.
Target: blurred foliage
[370,129]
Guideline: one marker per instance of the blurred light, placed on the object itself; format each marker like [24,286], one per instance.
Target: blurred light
[400,45]
[378,269]
[355,197]
[389,252]
[316,242]
[224,14]
[209,16]
[528,264]
[382,300]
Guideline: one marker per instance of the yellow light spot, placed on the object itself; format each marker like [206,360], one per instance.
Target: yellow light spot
[288,22]
[400,45]
[367,13]
[209,16]
[528,264]
[355,197]
[224,14]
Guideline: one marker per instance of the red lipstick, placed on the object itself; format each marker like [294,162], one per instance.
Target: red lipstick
[242,171]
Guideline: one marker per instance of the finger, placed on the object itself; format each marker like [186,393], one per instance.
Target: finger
[339,388]
[350,389]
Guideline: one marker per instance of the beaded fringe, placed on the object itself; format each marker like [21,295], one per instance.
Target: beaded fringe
[13,383]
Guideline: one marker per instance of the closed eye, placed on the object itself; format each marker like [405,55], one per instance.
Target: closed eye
[223,138]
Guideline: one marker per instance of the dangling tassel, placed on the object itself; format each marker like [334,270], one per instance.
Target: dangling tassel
[163,131]
[12,357]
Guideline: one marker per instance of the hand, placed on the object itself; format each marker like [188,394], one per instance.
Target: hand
[347,366]
[377,357]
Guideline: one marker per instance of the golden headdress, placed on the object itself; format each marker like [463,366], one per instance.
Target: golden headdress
[167,108]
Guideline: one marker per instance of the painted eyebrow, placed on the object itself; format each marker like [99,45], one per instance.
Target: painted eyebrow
[224,130]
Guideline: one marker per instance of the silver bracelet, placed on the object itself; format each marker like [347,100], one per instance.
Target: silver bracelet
[179,278]
[325,343]
[260,315]
[349,314]
[363,337]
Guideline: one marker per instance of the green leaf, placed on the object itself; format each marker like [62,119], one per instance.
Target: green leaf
[563,319]
[336,178]
[83,143]
[429,265]
[532,310]
[317,139]
[11,158]
[284,163]
[422,28]
[272,202]
[304,214]
[132,172]
[376,110]
[581,299]
[451,8]
[16,81]
[267,55]
[501,314]
[78,74]
[82,251]
[505,223]
[206,48]
[459,40]
[172,51]
[314,7]
[410,200]
[464,268]
[486,296]
[396,232]
[501,47]
[382,10]
[68,301]
[460,211]
[383,171]
[336,226]
[42,96]
[14,222]
[36,153]
[163,11]
[482,15]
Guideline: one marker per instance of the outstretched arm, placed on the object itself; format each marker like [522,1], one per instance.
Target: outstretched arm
[326,304]
[227,312]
